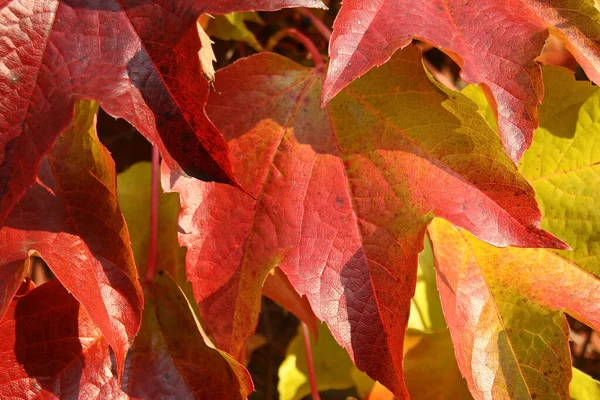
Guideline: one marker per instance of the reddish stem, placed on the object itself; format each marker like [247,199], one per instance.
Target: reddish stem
[152,251]
[319,25]
[306,42]
[309,361]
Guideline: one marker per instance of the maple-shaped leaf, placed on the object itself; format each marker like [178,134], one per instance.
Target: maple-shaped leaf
[170,358]
[344,196]
[138,58]
[495,42]
[504,310]
[51,348]
[71,219]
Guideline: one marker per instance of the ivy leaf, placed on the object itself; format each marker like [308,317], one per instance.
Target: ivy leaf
[170,358]
[496,45]
[45,359]
[504,310]
[70,218]
[344,196]
[138,58]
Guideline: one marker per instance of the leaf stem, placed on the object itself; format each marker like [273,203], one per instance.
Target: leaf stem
[318,24]
[153,248]
[300,37]
[309,361]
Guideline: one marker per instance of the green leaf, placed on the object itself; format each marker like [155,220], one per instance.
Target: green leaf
[563,165]
[134,191]
[426,309]
[563,162]
[233,27]
[584,387]
[333,368]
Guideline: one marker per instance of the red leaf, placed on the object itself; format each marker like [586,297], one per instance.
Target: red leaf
[71,219]
[344,196]
[138,58]
[495,42]
[169,358]
[52,349]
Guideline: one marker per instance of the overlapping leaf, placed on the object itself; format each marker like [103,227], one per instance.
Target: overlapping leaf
[278,288]
[134,193]
[344,195]
[333,368]
[563,165]
[70,218]
[170,358]
[514,295]
[233,27]
[503,309]
[51,348]
[495,42]
[139,59]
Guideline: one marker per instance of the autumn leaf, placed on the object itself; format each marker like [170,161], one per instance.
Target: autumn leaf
[344,196]
[72,359]
[518,295]
[563,165]
[139,59]
[430,367]
[495,42]
[70,218]
[51,348]
[170,358]
[504,310]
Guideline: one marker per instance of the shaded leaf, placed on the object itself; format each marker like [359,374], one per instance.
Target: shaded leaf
[430,368]
[134,191]
[503,308]
[138,58]
[563,165]
[344,196]
[426,313]
[496,45]
[52,349]
[70,218]
[278,288]
[233,27]
[333,367]
[170,358]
